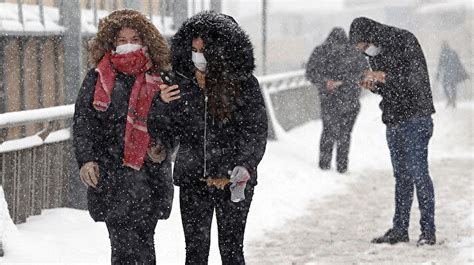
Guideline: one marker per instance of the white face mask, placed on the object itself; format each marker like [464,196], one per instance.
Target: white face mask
[126,48]
[372,50]
[199,61]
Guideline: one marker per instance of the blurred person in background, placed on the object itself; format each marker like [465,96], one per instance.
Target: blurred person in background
[451,72]
[399,74]
[128,175]
[217,110]
[336,68]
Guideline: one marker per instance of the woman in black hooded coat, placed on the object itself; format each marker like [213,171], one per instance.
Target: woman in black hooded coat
[218,113]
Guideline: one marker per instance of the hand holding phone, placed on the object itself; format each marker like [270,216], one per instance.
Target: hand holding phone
[169,90]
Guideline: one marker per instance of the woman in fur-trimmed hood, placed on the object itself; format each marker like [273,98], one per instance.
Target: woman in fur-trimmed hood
[228,64]
[127,174]
[219,115]
[109,26]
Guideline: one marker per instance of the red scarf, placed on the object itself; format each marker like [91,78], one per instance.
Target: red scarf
[144,89]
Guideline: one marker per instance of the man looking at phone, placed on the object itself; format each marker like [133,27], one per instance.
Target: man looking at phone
[400,75]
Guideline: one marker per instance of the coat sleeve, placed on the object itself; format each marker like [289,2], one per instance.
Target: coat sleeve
[354,64]
[315,68]
[253,128]
[161,122]
[86,126]
[412,73]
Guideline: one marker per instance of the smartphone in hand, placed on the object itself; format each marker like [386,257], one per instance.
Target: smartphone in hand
[168,77]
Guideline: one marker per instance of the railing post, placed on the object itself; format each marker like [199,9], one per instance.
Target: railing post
[216,5]
[180,12]
[20,12]
[264,37]
[94,10]
[71,18]
[41,11]
[2,217]
[150,10]
[272,121]
[72,71]
[163,11]
[133,4]
[3,87]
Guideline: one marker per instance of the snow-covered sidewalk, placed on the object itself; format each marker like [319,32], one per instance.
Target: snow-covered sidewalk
[300,214]
[338,229]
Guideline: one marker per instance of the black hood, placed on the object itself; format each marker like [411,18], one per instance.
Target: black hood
[337,37]
[228,50]
[367,30]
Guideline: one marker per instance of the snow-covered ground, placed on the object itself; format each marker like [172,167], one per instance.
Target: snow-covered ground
[300,214]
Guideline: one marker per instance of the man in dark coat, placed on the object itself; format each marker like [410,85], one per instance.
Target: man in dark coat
[451,72]
[219,116]
[400,75]
[336,67]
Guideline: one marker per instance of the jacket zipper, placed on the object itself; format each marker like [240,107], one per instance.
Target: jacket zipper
[205,137]
[205,126]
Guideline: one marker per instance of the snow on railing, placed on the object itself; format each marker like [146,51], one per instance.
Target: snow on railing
[275,83]
[283,81]
[270,84]
[20,118]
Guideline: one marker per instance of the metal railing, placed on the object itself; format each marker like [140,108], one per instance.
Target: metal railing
[283,81]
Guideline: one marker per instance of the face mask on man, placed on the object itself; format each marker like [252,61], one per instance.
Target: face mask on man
[199,61]
[372,50]
[126,48]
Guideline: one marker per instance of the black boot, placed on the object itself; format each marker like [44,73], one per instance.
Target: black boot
[392,236]
[426,238]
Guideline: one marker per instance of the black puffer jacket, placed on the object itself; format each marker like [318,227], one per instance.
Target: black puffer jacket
[209,146]
[406,92]
[99,136]
[337,60]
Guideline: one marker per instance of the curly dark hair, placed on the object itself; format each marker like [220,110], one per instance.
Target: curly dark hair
[111,25]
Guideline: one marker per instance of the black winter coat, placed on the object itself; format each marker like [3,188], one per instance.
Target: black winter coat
[99,136]
[336,59]
[208,146]
[407,91]
[450,69]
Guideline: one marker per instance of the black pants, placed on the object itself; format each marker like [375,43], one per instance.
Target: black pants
[132,243]
[337,128]
[131,217]
[197,208]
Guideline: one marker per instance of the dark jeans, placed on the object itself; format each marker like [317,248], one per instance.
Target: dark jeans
[337,130]
[132,242]
[197,208]
[408,144]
